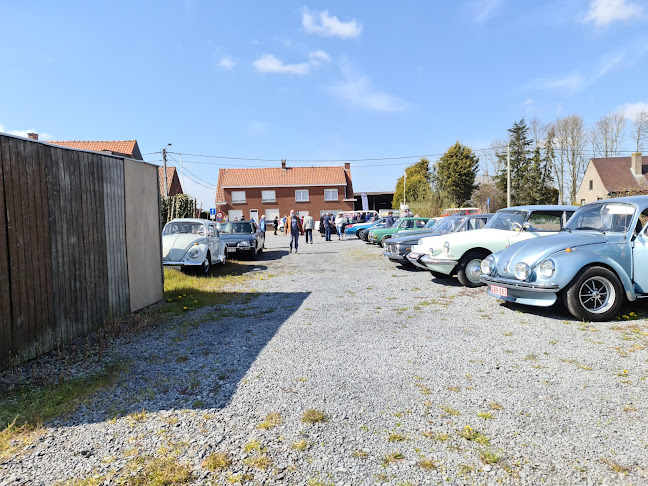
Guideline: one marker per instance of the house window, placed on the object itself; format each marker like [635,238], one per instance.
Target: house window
[301,195]
[330,194]
[238,197]
[268,196]
[591,185]
[582,201]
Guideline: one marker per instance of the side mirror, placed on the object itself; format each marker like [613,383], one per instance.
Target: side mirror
[526,226]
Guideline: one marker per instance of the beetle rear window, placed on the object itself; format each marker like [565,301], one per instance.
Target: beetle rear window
[606,217]
[179,227]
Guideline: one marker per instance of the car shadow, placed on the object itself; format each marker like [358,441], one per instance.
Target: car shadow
[272,254]
[196,361]
[235,267]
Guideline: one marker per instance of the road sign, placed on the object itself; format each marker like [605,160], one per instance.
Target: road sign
[212,211]
[219,216]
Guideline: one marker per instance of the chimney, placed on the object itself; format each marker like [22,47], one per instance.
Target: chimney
[283,164]
[347,166]
[636,164]
[32,136]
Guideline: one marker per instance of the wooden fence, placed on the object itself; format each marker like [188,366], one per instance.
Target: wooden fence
[64,266]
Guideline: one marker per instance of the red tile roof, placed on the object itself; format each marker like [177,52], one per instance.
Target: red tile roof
[174,186]
[125,147]
[616,173]
[278,177]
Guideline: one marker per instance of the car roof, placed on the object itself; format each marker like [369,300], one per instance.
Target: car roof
[627,199]
[541,207]
[190,220]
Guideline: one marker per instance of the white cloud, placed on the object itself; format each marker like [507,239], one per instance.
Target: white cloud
[228,62]
[604,12]
[630,110]
[319,54]
[359,92]
[483,10]
[23,133]
[268,63]
[321,23]
[571,83]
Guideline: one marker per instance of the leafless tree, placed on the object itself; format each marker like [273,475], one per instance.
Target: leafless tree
[491,159]
[640,129]
[608,134]
[539,131]
[570,138]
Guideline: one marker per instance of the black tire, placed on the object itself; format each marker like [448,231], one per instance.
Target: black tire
[262,247]
[358,233]
[253,254]
[439,275]
[468,270]
[361,234]
[383,240]
[596,294]
[206,265]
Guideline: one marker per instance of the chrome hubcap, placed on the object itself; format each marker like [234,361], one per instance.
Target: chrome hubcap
[597,295]
[473,270]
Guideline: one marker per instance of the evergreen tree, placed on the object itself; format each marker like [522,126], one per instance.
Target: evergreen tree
[455,173]
[519,147]
[418,183]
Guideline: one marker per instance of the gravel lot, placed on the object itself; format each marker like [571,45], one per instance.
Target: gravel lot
[421,382]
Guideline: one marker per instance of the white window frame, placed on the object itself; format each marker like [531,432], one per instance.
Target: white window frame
[266,199]
[238,201]
[301,193]
[330,198]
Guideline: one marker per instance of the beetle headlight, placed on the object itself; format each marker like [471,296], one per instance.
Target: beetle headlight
[547,268]
[193,253]
[488,265]
[446,247]
[521,271]
[244,243]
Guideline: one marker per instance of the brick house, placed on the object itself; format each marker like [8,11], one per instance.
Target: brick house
[174,187]
[613,176]
[251,193]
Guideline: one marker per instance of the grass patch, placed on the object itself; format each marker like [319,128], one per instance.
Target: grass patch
[489,457]
[427,464]
[217,461]
[436,436]
[253,445]
[472,435]
[260,461]
[450,411]
[271,420]
[485,415]
[160,472]
[393,437]
[300,446]
[312,416]
[392,457]
[360,454]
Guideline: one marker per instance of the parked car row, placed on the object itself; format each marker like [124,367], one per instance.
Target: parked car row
[197,244]
[590,257]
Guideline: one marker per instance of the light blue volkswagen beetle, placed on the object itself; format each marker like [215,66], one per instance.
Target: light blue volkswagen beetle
[598,257]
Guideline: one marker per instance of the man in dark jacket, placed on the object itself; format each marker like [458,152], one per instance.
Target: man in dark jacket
[294,225]
[390,220]
[327,226]
[276,223]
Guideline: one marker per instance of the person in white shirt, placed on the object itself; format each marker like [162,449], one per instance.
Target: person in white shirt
[309,224]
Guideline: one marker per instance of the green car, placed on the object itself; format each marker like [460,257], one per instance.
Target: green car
[378,236]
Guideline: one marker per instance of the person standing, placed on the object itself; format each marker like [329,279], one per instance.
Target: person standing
[327,226]
[276,223]
[309,224]
[390,220]
[296,228]
[262,225]
[340,223]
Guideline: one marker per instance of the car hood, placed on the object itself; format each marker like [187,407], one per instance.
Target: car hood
[414,236]
[535,250]
[174,247]
[236,237]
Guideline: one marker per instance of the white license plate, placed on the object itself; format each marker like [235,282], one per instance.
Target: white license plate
[497,290]
[231,249]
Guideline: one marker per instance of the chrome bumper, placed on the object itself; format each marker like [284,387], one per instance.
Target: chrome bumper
[518,284]
[428,260]
[393,256]
[181,264]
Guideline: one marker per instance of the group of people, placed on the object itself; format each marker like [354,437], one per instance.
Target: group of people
[295,226]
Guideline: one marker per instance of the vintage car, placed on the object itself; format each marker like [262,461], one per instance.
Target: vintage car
[192,244]
[399,245]
[378,236]
[598,258]
[381,223]
[425,229]
[461,254]
[355,228]
[242,237]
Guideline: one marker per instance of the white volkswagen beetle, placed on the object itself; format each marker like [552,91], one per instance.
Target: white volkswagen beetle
[192,243]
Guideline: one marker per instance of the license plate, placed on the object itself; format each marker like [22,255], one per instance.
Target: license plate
[231,249]
[497,290]
[414,255]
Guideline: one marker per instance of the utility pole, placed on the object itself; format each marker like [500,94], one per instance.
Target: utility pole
[181,172]
[405,189]
[508,175]
[166,183]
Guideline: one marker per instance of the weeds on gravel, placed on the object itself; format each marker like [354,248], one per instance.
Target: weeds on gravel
[360,454]
[271,420]
[317,482]
[239,478]
[394,437]
[312,416]
[253,445]
[259,461]
[485,415]
[615,466]
[427,464]
[300,446]
[392,457]
[450,411]
[472,435]
[218,461]
[488,456]
[436,436]
[159,471]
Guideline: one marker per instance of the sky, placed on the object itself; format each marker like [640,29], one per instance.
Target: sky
[316,83]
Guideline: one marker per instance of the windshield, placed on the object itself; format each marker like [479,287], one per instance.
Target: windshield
[431,223]
[449,224]
[184,227]
[236,228]
[614,217]
[504,220]
[396,223]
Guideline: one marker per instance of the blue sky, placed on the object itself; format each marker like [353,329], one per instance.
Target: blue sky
[323,80]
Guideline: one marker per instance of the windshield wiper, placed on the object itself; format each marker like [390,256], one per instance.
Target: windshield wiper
[590,228]
[566,229]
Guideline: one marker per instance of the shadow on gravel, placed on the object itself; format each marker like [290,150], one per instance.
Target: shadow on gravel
[272,254]
[196,361]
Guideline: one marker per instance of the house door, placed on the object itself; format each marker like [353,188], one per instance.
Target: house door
[254,215]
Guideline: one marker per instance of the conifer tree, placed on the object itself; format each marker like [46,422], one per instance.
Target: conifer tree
[418,183]
[455,173]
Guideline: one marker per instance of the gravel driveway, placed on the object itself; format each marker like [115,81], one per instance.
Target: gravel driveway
[419,381]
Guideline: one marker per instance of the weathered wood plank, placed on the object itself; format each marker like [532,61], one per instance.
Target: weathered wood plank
[44,158]
[5,300]
[121,234]
[108,235]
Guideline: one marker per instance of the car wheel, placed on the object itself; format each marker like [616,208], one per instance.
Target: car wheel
[439,275]
[359,233]
[470,269]
[383,241]
[253,254]
[596,294]
[206,265]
